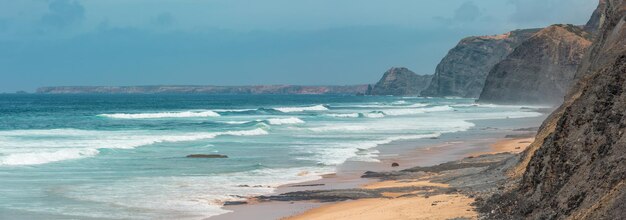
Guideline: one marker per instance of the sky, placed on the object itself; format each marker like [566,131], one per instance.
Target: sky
[246,42]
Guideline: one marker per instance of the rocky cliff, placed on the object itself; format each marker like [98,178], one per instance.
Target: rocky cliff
[597,18]
[400,81]
[260,89]
[540,70]
[576,169]
[462,72]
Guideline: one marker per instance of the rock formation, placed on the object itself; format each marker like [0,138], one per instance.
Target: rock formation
[576,167]
[594,23]
[400,81]
[463,71]
[540,70]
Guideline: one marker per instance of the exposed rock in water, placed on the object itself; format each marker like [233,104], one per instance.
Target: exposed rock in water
[400,81]
[206,156]
[540,70]
[463,71]
[576,167]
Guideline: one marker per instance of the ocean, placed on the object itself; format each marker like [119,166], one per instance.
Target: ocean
[124,156]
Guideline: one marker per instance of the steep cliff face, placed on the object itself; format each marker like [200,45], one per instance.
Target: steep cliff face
[463,71]
[540,70]
[400,81]
[578,171]
[597,18]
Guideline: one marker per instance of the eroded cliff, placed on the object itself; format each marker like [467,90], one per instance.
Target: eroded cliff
[576,169]
[540,70]
[462,72]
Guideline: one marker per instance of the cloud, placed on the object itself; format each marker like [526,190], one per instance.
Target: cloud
[63,13]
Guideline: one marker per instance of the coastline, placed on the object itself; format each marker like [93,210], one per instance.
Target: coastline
[486,137]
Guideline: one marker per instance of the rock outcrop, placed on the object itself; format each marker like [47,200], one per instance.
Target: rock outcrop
[576,169]
[597,18]
[400,81]
[463,71]
[540,70]
[260,89]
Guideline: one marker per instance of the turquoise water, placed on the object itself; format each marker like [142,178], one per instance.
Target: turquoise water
[123,156]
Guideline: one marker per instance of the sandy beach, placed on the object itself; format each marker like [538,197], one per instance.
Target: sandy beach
[391,192]
[401,206]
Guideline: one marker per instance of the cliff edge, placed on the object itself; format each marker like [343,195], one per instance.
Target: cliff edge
[462,72]
[540,70]
[576,168]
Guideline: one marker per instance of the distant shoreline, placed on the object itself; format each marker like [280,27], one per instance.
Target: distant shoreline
[207,89]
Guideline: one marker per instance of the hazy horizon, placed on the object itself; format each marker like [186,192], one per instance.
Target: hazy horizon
[148,42]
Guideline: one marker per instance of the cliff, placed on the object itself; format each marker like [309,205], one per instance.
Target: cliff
[261,89]
[597,18]
[576,167]
[462,72]
[540,70]
[400,81]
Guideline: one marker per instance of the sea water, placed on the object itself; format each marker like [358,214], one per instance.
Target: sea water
[124,156]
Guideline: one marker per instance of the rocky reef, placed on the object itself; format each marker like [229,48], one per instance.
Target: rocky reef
[540,70]
[576,167]
[462,72]
[400,81]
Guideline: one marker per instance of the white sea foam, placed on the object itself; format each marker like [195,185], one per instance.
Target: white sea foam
[417,105]
[233,110]
[343,115]
[374,115]
[400,102]
[47,157]
[344,128]
[357,115]
[254,132]
[281,121]
[185,114]
[301,109]
[413,111]
[235,122]
[188,197]
[332,154]
[25,147]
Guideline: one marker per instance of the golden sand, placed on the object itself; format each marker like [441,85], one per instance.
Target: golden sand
[398,207]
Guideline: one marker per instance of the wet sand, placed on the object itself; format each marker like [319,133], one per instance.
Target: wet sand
[401,206]
[488,137]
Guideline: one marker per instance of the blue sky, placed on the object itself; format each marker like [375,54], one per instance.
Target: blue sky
[241,42]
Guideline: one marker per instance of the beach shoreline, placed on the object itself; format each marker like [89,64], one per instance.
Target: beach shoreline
[487,137]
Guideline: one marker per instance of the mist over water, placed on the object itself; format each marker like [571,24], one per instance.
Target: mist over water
[117,156]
